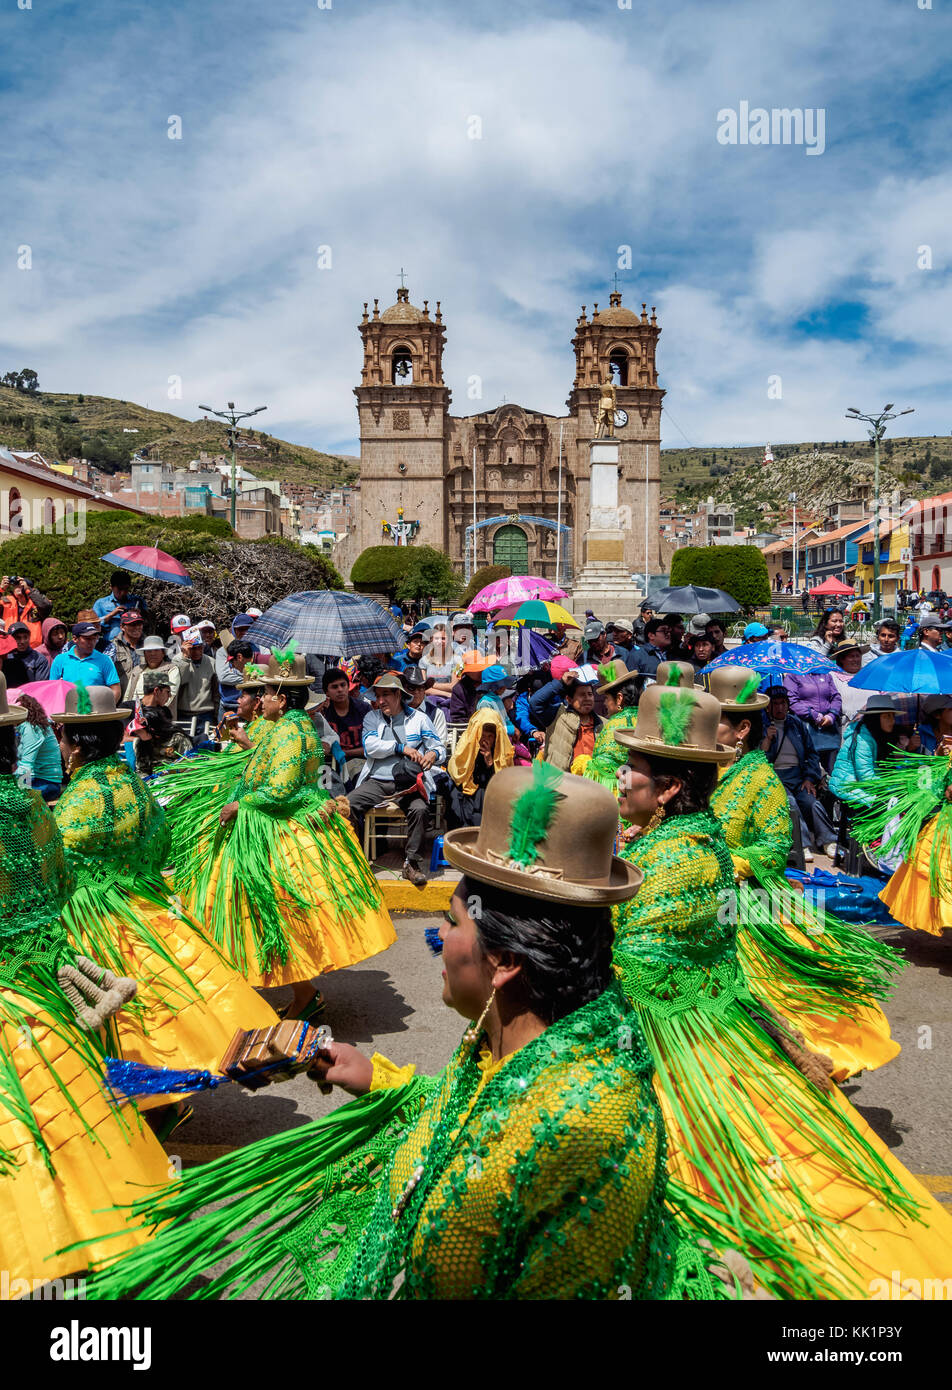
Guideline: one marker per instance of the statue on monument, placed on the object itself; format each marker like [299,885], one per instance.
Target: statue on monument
[605,414]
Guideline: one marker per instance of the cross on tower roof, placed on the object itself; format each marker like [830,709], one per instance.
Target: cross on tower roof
[615,281]
[402,286]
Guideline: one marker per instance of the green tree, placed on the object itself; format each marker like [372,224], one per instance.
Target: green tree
[28,381]
[740,570]
[430,575]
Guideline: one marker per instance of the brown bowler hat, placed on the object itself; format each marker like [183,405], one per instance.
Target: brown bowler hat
[90,704]
[685,673]
[677,723]
[615,674]
[8,714]
[547,835]
[728,683]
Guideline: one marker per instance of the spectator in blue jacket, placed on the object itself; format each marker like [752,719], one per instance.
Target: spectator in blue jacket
[649,656]
[495,684]
[545,704]
[870,738]
[110,609]
[789,745]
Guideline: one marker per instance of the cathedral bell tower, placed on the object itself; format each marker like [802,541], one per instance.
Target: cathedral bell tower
[402,406]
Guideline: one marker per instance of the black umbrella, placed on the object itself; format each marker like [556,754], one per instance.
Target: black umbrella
[693,598]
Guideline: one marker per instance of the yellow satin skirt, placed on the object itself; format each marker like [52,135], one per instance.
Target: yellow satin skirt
[908,894]
[855,1041]
[39,1213]
[184,1025]
[321,936]
[886,1255]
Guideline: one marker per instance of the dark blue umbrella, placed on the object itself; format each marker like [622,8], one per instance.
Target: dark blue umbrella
[328,621]
[915,672]
[794,657]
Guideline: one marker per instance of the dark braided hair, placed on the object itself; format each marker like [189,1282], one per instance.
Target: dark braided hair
[565,951]
[630,694]
[96,741]
[697,782]
[296,696]
[736,717]
[8,749]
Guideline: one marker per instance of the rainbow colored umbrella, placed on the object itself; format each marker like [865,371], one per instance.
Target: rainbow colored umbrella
[147,560]
[516,589]
[534,613]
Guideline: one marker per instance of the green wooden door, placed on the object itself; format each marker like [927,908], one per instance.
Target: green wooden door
[511,547]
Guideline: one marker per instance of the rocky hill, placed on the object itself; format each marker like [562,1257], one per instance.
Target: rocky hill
[106,431]
[820,474]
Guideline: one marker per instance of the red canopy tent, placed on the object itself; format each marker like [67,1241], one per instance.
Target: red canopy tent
[832,586]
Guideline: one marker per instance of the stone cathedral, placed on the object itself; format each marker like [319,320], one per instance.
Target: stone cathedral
[416,456]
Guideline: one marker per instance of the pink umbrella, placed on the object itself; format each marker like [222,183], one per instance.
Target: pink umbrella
[518,588]
[150,561]
[51,695]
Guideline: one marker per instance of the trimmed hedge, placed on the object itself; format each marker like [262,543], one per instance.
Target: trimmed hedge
[379,569]
[487,575]
[740,570]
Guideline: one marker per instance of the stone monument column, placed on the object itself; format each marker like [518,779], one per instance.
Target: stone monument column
[604,583]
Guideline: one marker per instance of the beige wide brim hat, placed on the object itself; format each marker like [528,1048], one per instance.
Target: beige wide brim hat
[686,673]
[102,704]
[574,860]
[621,678]
[677,723]
[276,672]
[9,714]
[726,684]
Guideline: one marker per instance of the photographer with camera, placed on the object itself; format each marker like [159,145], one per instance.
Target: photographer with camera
[17,606]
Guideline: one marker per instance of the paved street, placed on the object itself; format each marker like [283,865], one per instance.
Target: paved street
[393,1004]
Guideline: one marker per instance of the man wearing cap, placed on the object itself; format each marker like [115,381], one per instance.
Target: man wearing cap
[111,608]
[179,624]
[621,635]
[198,689]
[645,614]
[397,739]
[230,663]
[23,664]
[123,651]
[412,652]
[545,704]
[416,683]
[931,628]
[789,745]
[575,727]
[756,632]
[83,664]
[597,648]
[649,657]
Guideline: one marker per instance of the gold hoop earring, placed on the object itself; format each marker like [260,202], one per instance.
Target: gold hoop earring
[655,820]
[738,750]
[72,762]
[475,1029]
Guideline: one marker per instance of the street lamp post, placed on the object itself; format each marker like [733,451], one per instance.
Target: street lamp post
[231,417]
[877,428]
[793,498]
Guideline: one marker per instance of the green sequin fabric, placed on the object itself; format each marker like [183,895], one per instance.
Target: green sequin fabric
[543,1177]
[732,1099]
[34,883]
[113,828]
[609,755]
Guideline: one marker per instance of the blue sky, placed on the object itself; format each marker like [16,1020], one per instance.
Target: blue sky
[348,127]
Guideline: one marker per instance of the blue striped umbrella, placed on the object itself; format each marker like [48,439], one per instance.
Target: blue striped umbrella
[328,622]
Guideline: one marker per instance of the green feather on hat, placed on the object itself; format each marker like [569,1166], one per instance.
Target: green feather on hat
[532,814]
[749,689]
[675,708]
[83,703]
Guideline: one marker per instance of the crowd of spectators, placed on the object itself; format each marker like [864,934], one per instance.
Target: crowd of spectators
[428,725]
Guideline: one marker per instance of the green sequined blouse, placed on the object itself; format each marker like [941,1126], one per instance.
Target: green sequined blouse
[113,828]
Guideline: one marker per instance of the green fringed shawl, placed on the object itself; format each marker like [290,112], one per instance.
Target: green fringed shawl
[844,966]
[254,855]
[309,1213]
[910,789]
[676,950]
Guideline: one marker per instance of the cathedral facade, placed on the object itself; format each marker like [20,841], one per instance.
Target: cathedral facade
[484,488]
